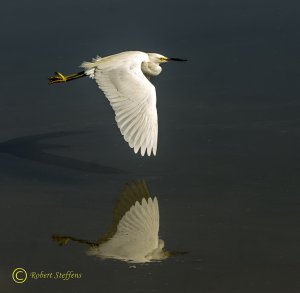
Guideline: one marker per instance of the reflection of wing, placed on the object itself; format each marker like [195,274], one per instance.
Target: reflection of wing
[131,95]
[132,193]
[137,233]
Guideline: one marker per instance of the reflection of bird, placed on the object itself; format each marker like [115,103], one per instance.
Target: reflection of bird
[124,79]
[133,234]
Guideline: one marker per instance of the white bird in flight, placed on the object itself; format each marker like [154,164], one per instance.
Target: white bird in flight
[124,79]
[133,234]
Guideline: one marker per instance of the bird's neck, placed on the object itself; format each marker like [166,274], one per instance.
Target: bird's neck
[151,69]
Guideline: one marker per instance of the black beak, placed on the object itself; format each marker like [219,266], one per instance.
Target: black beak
[176,59]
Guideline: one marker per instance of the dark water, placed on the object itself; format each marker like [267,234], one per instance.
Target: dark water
[227,170]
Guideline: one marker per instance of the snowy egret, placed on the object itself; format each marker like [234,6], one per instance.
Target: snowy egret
[124,79]
[133,234]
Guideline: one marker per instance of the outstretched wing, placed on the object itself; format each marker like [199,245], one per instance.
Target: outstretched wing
[131,95]
[137,233]
[141,225]
[133,192]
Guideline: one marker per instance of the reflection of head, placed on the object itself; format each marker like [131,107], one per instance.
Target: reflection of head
[161,244]
[159,253]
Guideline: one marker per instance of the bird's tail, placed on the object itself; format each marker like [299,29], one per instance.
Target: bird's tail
[59,77]
[89,67]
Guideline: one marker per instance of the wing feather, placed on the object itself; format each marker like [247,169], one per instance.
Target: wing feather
[140,226]
[136,236]
[132,193]
[136,233]
[131,95]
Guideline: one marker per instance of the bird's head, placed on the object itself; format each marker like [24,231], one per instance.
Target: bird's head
[158,58]
[161,253]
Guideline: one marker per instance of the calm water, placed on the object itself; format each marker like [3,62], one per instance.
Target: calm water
[227,170]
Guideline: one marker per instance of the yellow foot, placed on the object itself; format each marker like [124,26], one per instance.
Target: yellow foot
[62,78]
[57,78]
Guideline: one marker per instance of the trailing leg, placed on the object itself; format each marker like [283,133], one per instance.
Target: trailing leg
[62,78]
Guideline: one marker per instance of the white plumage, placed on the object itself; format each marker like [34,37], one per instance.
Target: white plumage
[136,238]
[131,95]
[124,79]
[134,233]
